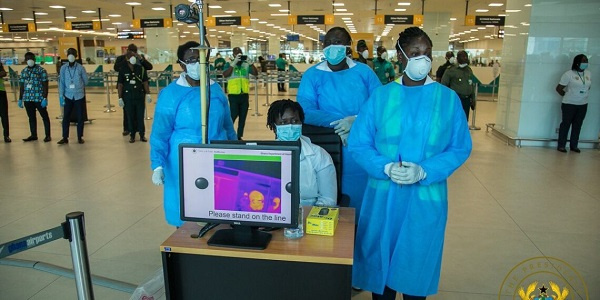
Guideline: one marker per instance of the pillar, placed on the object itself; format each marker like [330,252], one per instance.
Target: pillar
[161,45]
[239,40]
[540,43]
[274,46]
[437,27]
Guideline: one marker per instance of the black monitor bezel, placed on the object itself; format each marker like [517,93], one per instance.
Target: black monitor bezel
[294,147]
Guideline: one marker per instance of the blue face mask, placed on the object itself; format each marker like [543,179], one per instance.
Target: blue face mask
[583,66]
[289,132]
[334,54]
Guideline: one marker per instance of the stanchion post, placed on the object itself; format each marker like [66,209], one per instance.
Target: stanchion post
[256,113]
[146,117]
[268,84]
[473,127]
[81,265]
[108,105]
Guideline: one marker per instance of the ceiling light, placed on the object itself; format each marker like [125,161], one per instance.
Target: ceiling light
[343,14]
[254,19]
[158,8]
[117,23]
[110,28]
[482,10]
[114,16]
[284,10]
[274,5]
[452,19]
[501,15]
[133,3]
[400,9]
[481,28]
[27,19]
[404,3]
[271,25]
[341,9]
[513,10]
[262,22]
[43,22]
[101,20]
[57,6]
[230,11]
[279,15]
[527,5]
[338,4]
[5,8]
[70,17]
[214,6]
[496,4]
[39,13]
[187,32]
[88,11]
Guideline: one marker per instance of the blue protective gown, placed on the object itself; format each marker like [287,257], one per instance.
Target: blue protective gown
[327,96]
[401,228]
[176,121]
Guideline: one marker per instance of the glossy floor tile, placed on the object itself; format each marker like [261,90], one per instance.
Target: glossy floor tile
[506,205]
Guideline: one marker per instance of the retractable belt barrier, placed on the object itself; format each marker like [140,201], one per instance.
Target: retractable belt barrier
[72,229]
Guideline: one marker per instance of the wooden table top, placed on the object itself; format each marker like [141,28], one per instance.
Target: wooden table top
[337,249]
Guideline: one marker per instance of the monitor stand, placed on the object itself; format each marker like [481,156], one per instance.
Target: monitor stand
[245,237]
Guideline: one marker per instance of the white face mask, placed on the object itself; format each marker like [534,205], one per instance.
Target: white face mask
[418,67]
[384,55]
[30,62]
[132,60]
[193,70]
[452,60]
[71,58]
[365,54]
[462,65]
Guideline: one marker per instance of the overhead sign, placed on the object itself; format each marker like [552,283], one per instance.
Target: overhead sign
[311,19]
[85,25]
[26,27]
[293,37]
[399,19]
[130,35]
[228,21]
[489,20]
[152,23]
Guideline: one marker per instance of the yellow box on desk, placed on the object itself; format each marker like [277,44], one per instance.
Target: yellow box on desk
[322,220]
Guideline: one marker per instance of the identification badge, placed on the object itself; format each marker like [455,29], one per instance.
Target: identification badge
[71,86]
[28,86]
[131,81]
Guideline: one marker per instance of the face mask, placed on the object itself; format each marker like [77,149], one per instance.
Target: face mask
[462,65]
[132,60]
[193,70]
[334,54]
[30,63]
[583,66]
[290,132]
[365,54]
[418,67]
[384,55]
[71,58]
[452,60]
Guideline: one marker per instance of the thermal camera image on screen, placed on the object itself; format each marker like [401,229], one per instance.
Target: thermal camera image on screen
[247,183]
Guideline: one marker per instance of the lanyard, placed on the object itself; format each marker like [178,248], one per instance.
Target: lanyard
[71,74]
[582,78]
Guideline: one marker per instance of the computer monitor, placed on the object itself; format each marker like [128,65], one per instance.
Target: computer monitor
[248,186]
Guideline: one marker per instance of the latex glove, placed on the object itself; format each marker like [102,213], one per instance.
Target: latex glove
[61,100]
[44,102]
[344,138]
[148,98]
[410,173]
[237,59]
[158,177]
[392,170]
[342,126]
[121,103]
[20,103]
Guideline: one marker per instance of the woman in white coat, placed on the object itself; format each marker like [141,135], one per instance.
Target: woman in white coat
[318,185]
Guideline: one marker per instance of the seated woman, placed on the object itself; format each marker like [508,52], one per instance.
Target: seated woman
[318,185]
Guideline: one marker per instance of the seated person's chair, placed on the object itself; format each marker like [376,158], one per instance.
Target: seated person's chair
[330,141]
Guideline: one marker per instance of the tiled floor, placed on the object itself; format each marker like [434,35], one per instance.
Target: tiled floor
[506,205]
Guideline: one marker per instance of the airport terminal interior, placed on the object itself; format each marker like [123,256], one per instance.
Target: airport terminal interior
[518,208]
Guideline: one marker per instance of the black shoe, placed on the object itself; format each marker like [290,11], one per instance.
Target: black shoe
[7,139]
[125,133]
[80,140]
[562,150]
[63,141]
[576,150]
[47,139]
[31,138]
[132,140]
[143,139]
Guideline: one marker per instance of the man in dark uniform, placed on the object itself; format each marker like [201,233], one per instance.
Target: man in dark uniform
[132,85]
[363,53]
[458,78]
[121,62]
[450,60]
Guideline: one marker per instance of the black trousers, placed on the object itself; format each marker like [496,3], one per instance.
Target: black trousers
[70,106]
[31,107]
[4,113]
[466,104]
[125,121]
[389,294]
[572,117]
[238,105]
[134,109]
[280,81]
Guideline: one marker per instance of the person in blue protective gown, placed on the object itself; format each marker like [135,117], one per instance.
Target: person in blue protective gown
[410,137]
[177,120]
[331,94]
